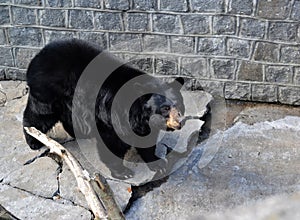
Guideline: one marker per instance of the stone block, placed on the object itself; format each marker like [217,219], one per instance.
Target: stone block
[284,31]
[290,54]
[182,44]
[195,24]
[195,67]
[274,9]
[108,21]
[94,37]
[2,77]
[244,7]
[297,76]
[81,19]
[296,11]
[24,56]
[88,4]
[59,35]
[125,42]
[215,88]
[165,65]
[266,52]
[174,5]
[289,95]
[208,5]
[157,43]
[117,4]
[15,74]
[52,17]
[137,22]
[223,24]
[58,3]
[249,71]
[239,91]
[145,5]
[29,2]
[264,93]
[223,69]
[252,28]
[279,74]
[6,56]
[238,48]
[23,15]
[4,15]
[166,23]
[2,37]
[211,46]
[25,36]
[142,62]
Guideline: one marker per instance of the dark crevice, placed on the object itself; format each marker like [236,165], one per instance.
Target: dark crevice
[140,191]
[56,195]
[77,205]
[43,154]
[59,170]
[45,197]
[29,192]
[6,215]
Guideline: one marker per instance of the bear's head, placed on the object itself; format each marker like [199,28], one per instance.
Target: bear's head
[161,111]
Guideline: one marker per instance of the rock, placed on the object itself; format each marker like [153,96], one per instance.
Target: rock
[39,177]
[26,205]
[275,207]
[3,98]
[69,190]
[254,114]
[178,140]
[243,164]
[122,192]
[196,102]
[13,89]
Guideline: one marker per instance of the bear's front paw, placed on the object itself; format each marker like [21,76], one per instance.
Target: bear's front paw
[121,173]
[33,143]
[159,166]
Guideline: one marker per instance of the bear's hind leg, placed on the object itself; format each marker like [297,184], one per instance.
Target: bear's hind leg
[112,155]
[153,162]
[36,116]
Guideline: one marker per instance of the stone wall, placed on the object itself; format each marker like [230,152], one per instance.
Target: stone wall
[239,49]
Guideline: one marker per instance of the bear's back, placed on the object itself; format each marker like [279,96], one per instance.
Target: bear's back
[56,69]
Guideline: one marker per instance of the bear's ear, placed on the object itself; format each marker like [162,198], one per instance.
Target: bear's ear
[177,83]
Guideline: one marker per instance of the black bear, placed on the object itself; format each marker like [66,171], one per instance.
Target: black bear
[52,77]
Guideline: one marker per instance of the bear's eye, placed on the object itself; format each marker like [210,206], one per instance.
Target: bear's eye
[165,108]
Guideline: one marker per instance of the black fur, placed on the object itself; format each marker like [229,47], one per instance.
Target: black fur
[52,77]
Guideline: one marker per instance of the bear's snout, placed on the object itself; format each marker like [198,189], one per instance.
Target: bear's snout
[174,120]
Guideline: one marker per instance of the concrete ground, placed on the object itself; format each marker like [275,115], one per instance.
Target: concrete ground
[247,168]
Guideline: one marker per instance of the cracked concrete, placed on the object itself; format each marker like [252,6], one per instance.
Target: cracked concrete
[248,168]
[27,191]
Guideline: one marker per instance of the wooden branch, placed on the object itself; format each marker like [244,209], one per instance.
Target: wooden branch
[81,175]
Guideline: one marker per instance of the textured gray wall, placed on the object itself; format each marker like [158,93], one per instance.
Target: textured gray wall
[240,49]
